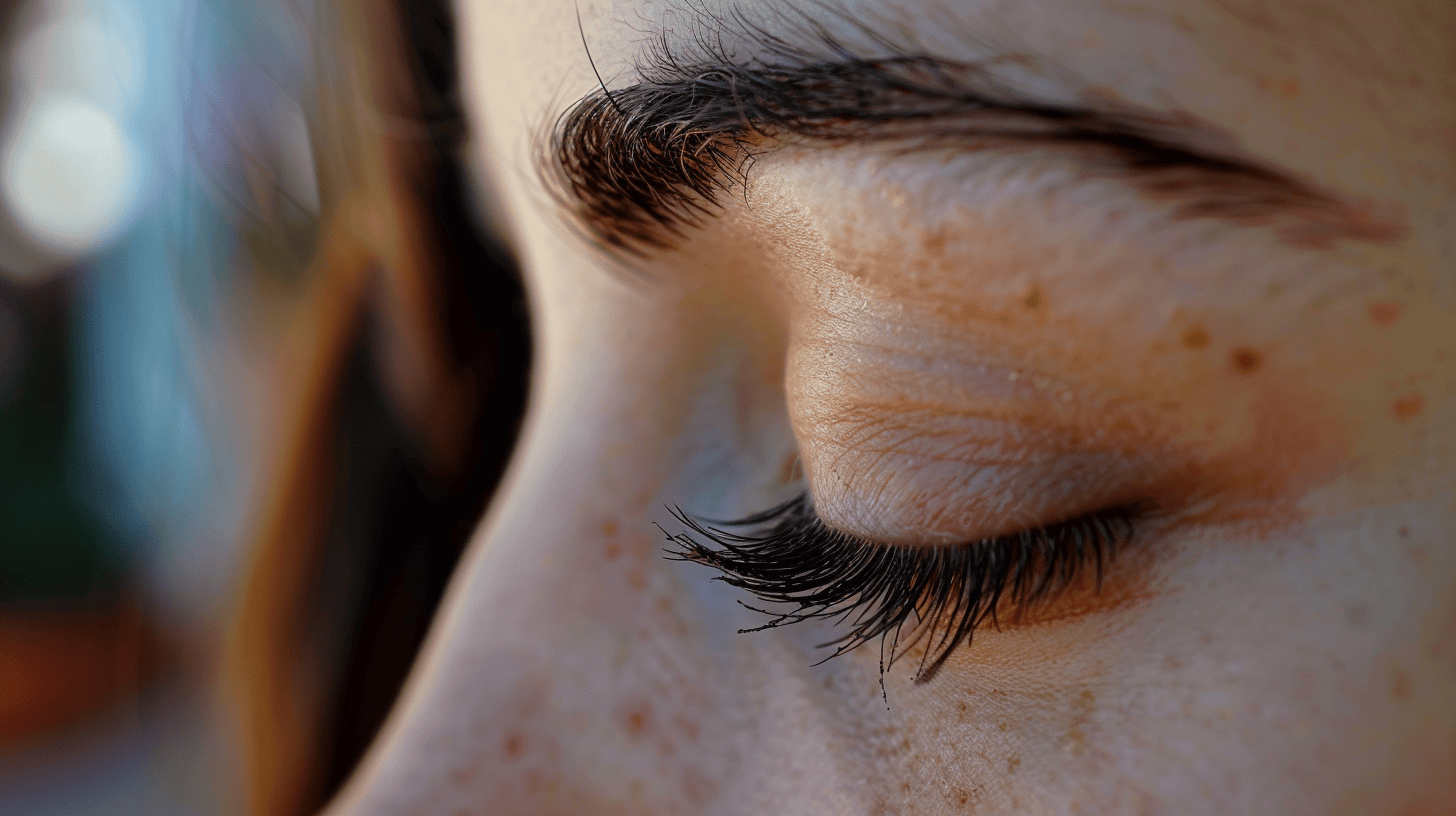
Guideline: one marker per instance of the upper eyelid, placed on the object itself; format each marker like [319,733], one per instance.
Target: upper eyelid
[639,165]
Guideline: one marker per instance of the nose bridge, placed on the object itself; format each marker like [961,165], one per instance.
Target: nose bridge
[574,669]
[551,680]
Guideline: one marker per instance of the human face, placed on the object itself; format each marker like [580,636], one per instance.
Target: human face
[948,327]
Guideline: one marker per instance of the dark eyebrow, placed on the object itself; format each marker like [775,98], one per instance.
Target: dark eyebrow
[637,166]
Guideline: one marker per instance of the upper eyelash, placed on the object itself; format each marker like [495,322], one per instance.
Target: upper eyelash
[789,556]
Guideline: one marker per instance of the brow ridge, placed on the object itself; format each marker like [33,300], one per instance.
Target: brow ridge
[637,167]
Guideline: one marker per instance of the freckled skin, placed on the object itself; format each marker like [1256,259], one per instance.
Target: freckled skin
[1386,312]
[1408,407]
[1289,406]
[1245,360]
[1195,337]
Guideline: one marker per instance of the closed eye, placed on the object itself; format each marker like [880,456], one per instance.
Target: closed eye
[902,595]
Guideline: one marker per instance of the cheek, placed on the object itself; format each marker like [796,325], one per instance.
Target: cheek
[1247,679]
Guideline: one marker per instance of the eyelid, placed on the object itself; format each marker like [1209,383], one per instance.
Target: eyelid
[904,455]
[909,501]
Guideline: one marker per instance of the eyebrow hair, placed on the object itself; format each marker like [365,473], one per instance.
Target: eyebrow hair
[638,166]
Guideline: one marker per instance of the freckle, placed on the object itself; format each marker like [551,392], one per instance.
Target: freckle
[1289,88]
[1400,683]
[1195,337]
[1403,532]
[609,528]
[613,549]
[1245,359]
[1386,312]
[1012,764]
[636,580]
[513,745]
[1033,298]
[935,244]
[635,718]
[1408,407]
[1172,663]
[1002,727]
[1076,741]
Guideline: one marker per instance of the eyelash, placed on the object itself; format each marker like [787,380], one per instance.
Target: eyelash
[787,555]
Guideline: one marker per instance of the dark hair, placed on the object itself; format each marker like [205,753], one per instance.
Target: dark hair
[400,427]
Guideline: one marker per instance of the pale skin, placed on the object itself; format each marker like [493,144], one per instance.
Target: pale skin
[956,344]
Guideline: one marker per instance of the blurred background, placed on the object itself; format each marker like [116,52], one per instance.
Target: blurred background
[262,359]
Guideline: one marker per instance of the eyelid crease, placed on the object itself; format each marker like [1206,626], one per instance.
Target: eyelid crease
[638,166]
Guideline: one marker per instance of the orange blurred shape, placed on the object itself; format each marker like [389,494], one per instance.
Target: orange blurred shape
[59,667]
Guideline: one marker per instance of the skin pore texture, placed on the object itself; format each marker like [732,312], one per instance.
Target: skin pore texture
[950,342]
